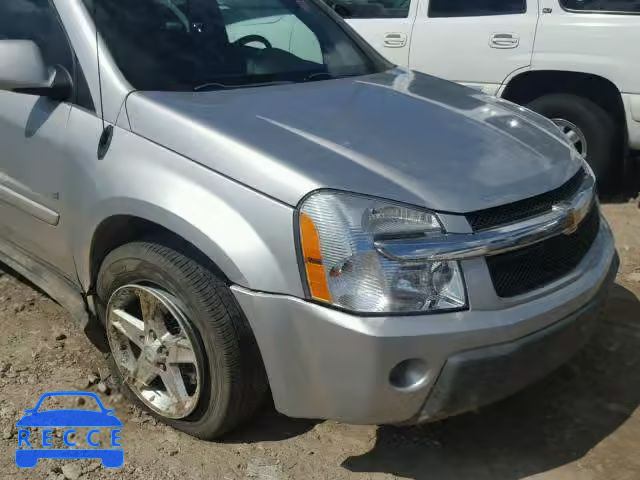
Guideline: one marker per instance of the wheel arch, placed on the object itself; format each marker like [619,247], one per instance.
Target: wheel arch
[525,87]
[118,230]
[141,220]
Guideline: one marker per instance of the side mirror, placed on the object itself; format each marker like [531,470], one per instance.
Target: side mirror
[22,70]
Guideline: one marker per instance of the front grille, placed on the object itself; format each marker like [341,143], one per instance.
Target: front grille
[520,271]
[529,207]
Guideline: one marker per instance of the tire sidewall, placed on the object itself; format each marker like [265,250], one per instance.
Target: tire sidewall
[595,124]
[134,266]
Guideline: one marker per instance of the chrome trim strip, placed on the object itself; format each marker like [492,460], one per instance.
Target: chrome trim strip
[564,218]
[27,205]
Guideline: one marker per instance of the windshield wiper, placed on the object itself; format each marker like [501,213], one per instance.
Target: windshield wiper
[315,76]
[318,76]
[327,76]
[224,86]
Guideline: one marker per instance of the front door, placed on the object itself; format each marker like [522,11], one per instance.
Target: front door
[475,42]
[32,135]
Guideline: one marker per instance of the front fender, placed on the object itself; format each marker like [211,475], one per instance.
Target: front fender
[249,236]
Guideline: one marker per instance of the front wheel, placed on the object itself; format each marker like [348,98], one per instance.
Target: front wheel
[586,126]
[179,343]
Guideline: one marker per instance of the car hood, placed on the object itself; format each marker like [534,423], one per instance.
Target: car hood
[398,134]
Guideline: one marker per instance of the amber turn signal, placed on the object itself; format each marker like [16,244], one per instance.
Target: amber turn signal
[312,257]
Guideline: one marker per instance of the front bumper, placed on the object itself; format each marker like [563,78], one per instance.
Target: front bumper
[325,363]
[482,376]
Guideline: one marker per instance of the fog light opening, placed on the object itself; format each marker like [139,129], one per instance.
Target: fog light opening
[409,375]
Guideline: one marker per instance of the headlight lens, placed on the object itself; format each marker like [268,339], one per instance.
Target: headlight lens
[337,234]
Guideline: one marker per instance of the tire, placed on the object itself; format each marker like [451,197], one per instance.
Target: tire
[598,127]
[232,382]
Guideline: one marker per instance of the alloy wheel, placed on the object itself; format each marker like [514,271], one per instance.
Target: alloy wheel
[153,346]
[573,134]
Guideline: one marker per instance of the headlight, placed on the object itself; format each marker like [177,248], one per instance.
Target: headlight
[342,267]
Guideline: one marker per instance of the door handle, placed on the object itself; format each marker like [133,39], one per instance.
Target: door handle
[395,40]
[504,40]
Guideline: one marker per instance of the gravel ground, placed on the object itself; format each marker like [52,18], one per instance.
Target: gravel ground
[582,422]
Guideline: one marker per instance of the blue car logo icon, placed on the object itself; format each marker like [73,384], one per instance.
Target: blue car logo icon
[67,419]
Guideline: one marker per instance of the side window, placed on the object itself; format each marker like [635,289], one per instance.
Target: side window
[475,8]
[370,9]
[36,20]
[618,6]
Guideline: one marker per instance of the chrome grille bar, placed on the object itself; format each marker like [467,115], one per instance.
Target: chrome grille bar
[564,218]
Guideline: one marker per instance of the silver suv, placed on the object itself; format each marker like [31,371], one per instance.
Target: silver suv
[248,200]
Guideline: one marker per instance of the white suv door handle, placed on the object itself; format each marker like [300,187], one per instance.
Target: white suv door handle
[395,39]
[504,40]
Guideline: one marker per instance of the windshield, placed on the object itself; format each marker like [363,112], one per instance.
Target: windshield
[212,44]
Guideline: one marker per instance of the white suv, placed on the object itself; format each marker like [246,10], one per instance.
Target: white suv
[574,61]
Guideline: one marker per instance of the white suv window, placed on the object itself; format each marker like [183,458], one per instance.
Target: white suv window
[626,6]
[475,8]
[370,9]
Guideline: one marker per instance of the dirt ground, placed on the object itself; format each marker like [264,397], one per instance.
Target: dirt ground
[582,422]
